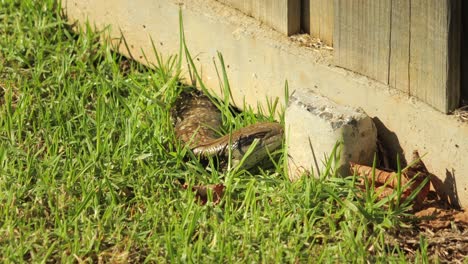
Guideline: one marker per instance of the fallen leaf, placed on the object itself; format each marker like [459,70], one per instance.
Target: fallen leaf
[431,211]
[202,192]
[461,217]
[389,180]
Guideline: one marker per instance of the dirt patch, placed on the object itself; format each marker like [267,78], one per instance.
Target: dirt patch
[305,40]
[461,113]
[442,228]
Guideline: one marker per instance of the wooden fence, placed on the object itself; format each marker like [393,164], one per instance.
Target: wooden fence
[464,52]
[410,45]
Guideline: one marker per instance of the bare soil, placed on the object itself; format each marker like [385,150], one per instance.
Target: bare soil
[442,227]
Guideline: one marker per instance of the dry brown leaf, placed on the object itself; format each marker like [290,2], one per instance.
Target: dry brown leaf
[461,217]
[431,211]
[381,177]
[434,218]
[416,172]
[201,192]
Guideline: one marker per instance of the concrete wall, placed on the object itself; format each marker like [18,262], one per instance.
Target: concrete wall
[259,60]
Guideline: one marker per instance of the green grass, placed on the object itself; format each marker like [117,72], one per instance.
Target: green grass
[89,167]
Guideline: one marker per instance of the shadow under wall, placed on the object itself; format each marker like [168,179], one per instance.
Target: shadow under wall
[450,186]
[390,144]
[446,190]
[305,16]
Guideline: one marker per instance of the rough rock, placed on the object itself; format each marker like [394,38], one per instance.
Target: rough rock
[315,124]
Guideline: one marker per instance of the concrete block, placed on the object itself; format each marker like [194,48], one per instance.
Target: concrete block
[315,124]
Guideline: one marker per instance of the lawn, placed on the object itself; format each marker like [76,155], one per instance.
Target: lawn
[90,169]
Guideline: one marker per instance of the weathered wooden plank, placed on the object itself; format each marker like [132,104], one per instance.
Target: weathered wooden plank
[400,45]
[317,19]
[282,15]
[464,51]
[434,63]
[321,20]
[362,36]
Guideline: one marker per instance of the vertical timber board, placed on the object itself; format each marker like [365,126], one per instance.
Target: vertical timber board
[400,45]
[294,16]
[282,15]
[434,63]
[464,52]
[321,19]
[362,37]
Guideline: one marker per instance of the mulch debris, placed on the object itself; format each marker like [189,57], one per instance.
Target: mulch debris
[443,228]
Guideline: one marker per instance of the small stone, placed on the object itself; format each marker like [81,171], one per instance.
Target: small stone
[315,124]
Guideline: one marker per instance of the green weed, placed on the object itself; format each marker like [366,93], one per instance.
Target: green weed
[89,165]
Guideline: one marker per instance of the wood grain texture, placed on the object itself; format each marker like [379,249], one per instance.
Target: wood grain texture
[400,45]
[362,37]
[282,15]
[321,19]
[411,45]
[464,57]
[434,63]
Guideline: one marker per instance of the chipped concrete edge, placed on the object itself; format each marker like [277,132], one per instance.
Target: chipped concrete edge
[318,126]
